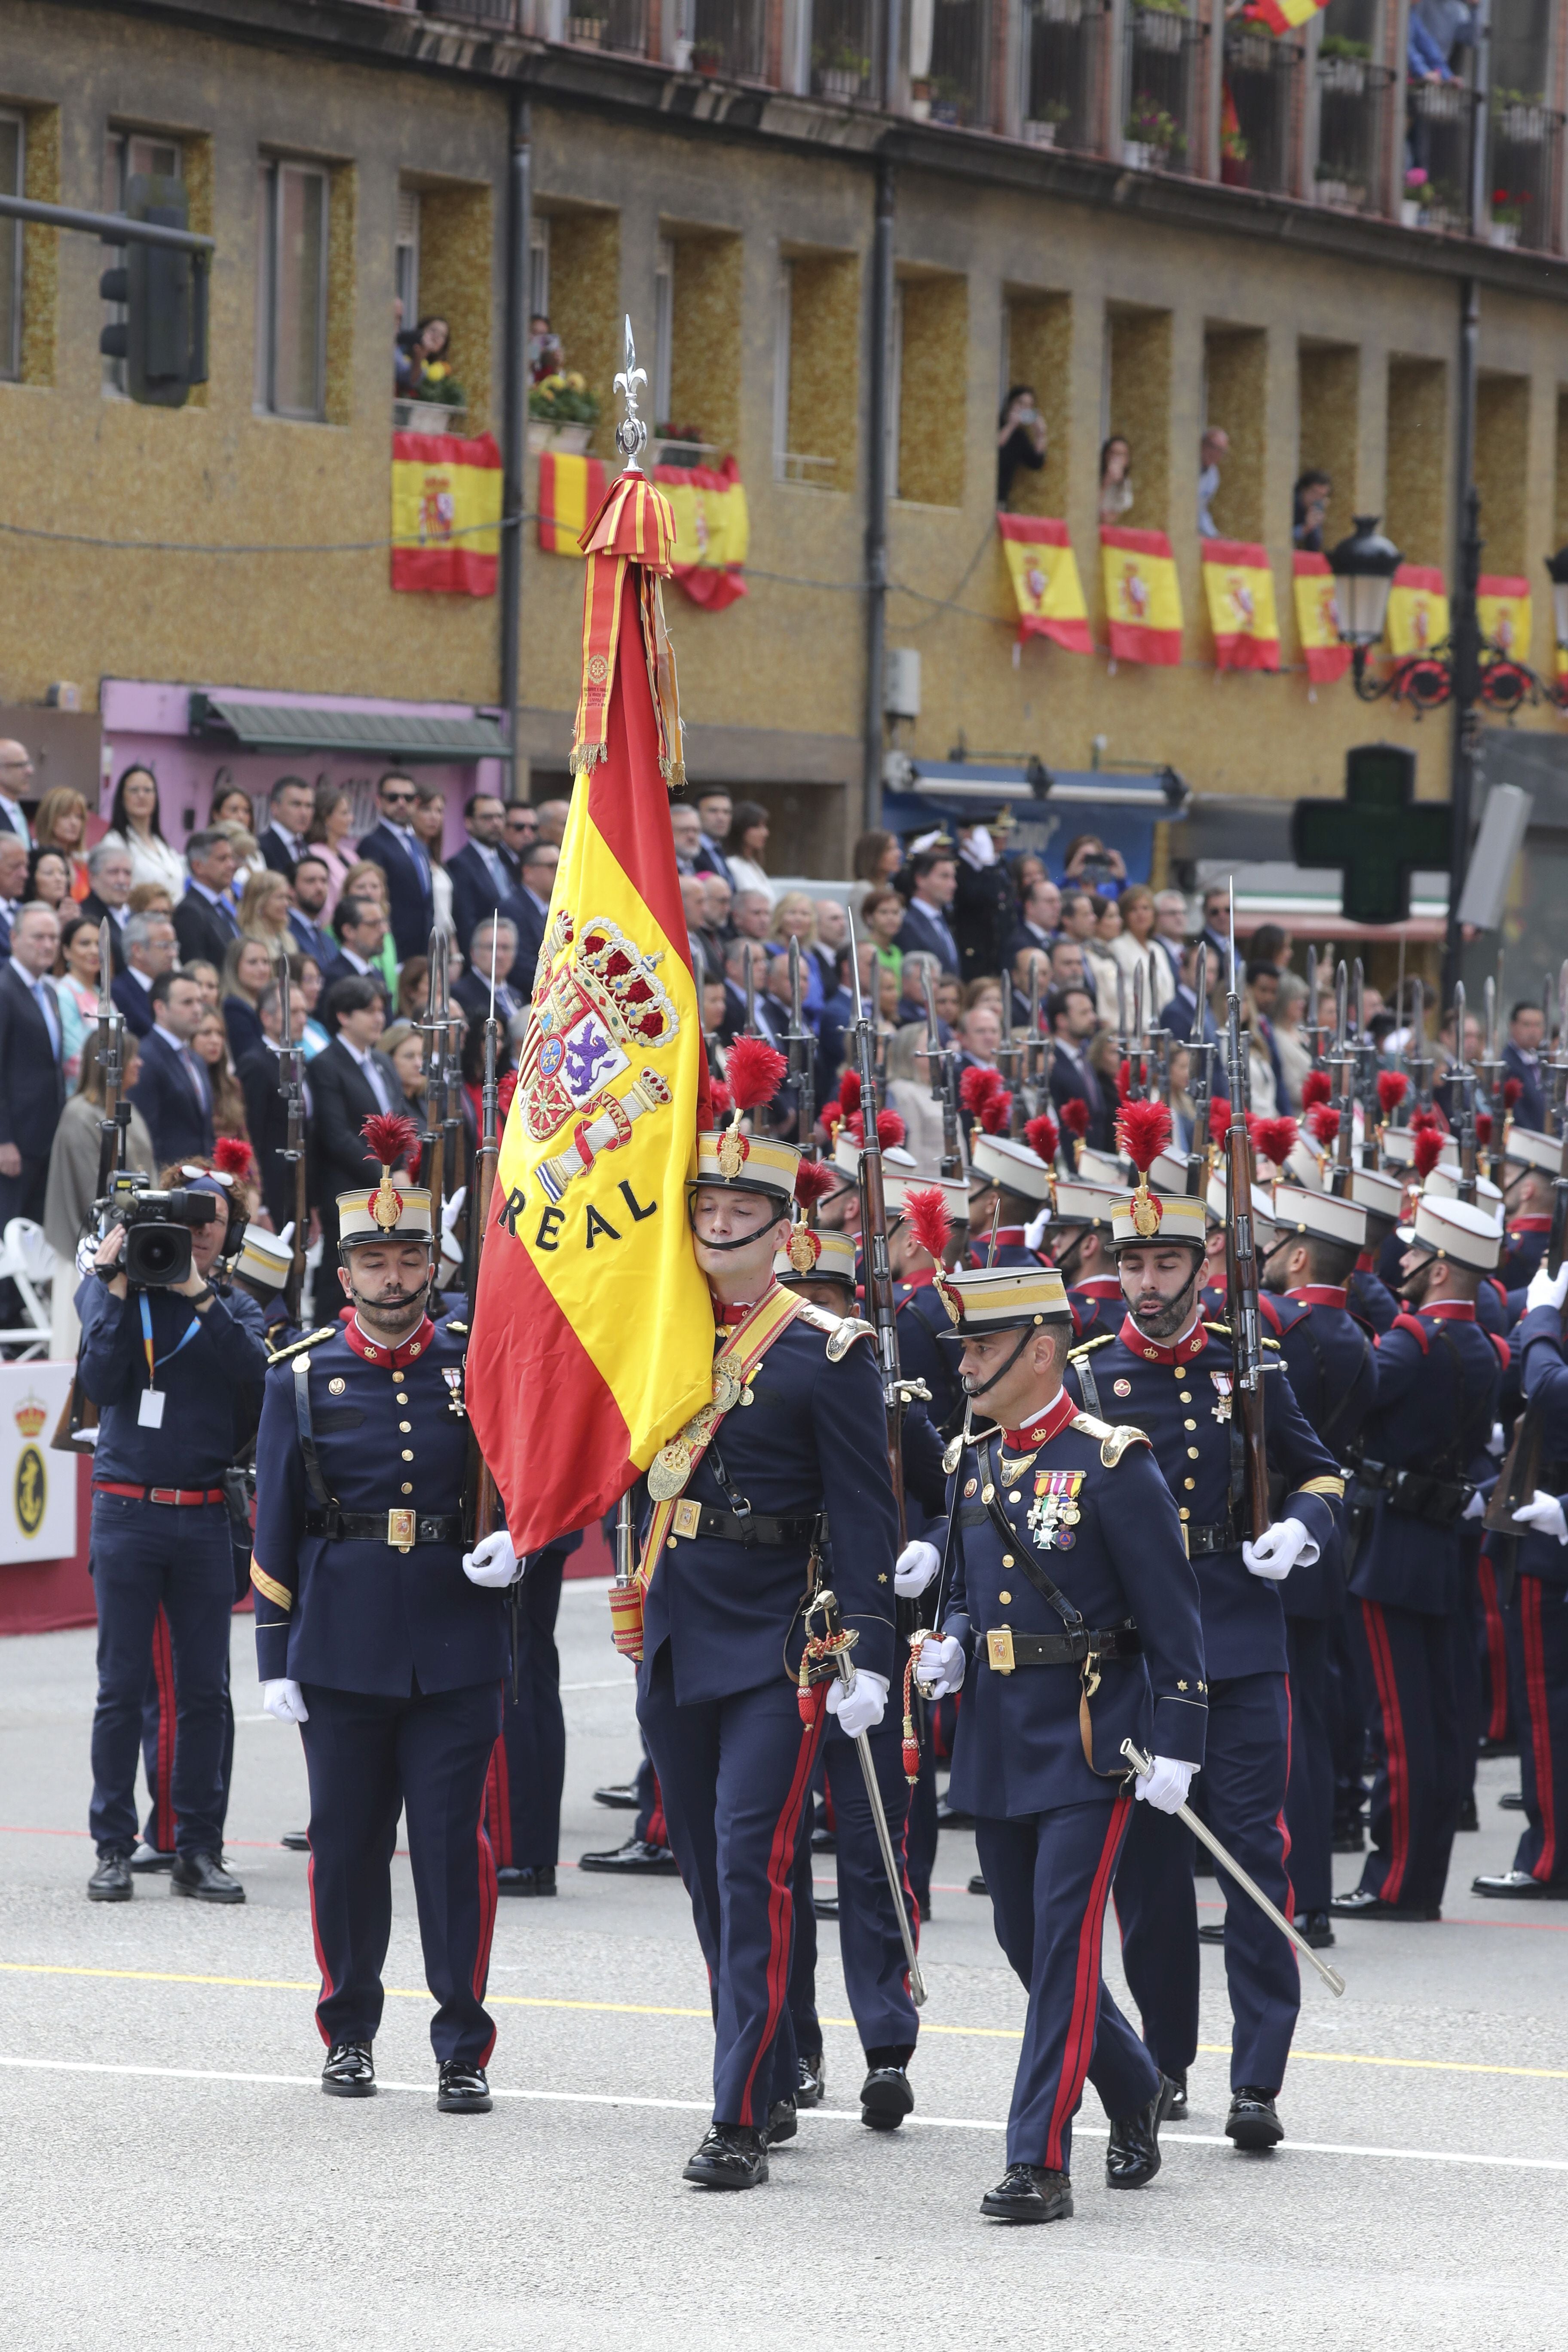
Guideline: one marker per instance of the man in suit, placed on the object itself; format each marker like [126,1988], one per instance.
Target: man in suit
[1521,1060]
[109,871]
[148,949]
[550,818]
[361,928]
[984,909]
[483,883]
[348,1081]
[289,806]
[173,1093]
[472,989]
[1038,925]
[1181,1012]
[266,1110]
[393,845]
[519,833]
[15,775]
[715,814]
[204,924]
[1073,1020]
[926,928]
[539,865]
[312,888]
[32,1095]
[12,884]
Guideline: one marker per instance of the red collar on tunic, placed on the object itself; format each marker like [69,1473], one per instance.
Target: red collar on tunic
[1010,1234]
[1050,1424]
[1530,1226]
[375,1352]
[1449,1310]
[1321,1294]
[920,1278]
[1367,1262]
[1098,1286]
[1152,1350]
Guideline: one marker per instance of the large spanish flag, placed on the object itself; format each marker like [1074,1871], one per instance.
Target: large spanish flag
[592,1339]
[1417,611]
[1043,573]
[1326,655]
[446,512]
[1283,16]
[1239,587]
[713,531]
[1143,596]
[571,492]
[1502,606]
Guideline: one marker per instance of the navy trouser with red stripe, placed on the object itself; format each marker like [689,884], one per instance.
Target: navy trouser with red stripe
[528,1767]
[1536,1622]
[1310,1795]
[876,1973]
[1048,1877]
[1406,1665]
[1240,1794]
[1496,1716]
[369,1758]
[735,1776]
[158,1743]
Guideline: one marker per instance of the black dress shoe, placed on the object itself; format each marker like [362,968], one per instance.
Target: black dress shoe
[1497,1748]
[1315,1927]
[461,2089]
[619,1796]
[811,2081]
[1512,1801]
[1211,1931]
[732,2155]
[1027,2192]
[977,1887]
[1173,2098]
[1361,1903]
[637,1859]
[150,1857]
[1132,2151]
[297,1841]
[781,2123]
[204,1878]
[111,1881]
[952,1817]
[1518,1887]
[1348,1837]
[350,2071]
[823,1842]
[825,1906]
[886,2098]
[1468,1817]
[1252,2122]
[540,1881]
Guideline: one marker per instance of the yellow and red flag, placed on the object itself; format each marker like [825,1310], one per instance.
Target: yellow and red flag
[713,531]
[592,1339]
[1318,618]
[446,512]
[1239,587]
[1502,607]
[1043,573]
[1143,596]
[571,489]
[1417,611]
[1283,16]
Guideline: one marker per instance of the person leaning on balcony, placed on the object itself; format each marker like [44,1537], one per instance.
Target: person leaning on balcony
[1310,504]
[1020,438]
[1213,446]
[1115,477]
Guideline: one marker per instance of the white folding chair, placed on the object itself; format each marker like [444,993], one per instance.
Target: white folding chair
[28,1262]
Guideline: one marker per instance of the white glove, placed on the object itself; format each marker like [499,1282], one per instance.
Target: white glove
[1544,1291]
[939,1669]
[1476,1508]
[1276,1553]
[914,1568]
[492,1562]
[858,1704]
[1166,1786]
[452,1209]
[1545,1513]
[286,1701]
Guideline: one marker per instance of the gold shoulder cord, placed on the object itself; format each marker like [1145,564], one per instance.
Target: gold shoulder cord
[311,1339]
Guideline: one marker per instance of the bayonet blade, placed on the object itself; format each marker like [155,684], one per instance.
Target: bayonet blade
[794,992]
[855,970]
[105,972]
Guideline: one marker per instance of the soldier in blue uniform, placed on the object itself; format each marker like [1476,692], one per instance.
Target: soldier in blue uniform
[1172,1373]
[382,1639]
[1381,1192]
[733,1737]
[1536,1617]
[528,1770]
[1079,1238]
[1437,1377]
[920,1316]
[1057,1676]
[1531,1162]
[1009,1175]
[1329,1358]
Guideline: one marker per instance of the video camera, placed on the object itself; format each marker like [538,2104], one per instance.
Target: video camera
[158,1227]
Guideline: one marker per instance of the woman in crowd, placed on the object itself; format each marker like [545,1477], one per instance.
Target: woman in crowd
[878,857]
[1183,1112]
[309,986]
[1295,1054]
[404,1046]
[73,1173]
[1100,967]
[210,1045]
[1135,951]
[135,824]
[749,832]
[247,974]
[209,980]
[264,911]
[151,898]
[234,815]
[76,990]
[49,879]
[1020,438]
[429,824]
[881,919]
[61,823]
[950,1001]
[232,805]
[1115,477]
[365,880]
[331,837]
[795,918]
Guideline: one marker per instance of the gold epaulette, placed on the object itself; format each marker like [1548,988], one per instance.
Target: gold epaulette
[1112,1437]
[1100,1340]
[842,1330]
[460,1329]
[1225,1332]
[311,1339]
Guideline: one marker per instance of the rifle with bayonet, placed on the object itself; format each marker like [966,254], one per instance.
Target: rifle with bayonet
[939,1062]
[1136,1087]
[1365,1074]
[1033,1059]
[1201,1053]
[1009,1059]
[879,1297]
[452,1080]
[1241,1271]
[1342,1100]
[1462,1100]
[802,1058]
[291,1086]
[1313,1027]
[431,1029]
[1488,1070]
[1557,1243]
[1422,1064]
[749,963]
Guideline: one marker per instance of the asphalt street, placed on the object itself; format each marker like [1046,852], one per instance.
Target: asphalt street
[171,2176]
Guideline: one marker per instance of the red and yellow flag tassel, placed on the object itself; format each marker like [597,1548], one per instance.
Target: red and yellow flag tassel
[634,525]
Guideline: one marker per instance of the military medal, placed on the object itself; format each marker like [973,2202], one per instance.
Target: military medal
[671,1466]
[1222,1396]
[1055,1512]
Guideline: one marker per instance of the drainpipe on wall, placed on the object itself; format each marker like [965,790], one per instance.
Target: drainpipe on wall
[877,492]
[515,421]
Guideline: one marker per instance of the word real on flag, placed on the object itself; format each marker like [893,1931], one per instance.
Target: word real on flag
[1502,607]
[593,1337]
[571,492]
[1417,620]
[713,531]
[446,512]
[1318,618]
[1046,585]
[1143,597]
[1239,588]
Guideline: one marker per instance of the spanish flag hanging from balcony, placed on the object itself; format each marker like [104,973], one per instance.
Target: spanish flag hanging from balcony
[446,512]
[1143,596]
[1239,588]
[713,531]
[592,1339]
[1417,618]
[571,490]
[1043,573]
[1326,657]
[1502,606]
[1283,16]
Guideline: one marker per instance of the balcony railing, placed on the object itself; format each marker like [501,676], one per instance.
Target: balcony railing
[1353,102]
[1263,80]
[843,46]
[1524,144]
[729,37]
[1442,129]
[608,24]
[1064,59]
[1163,50]
[950,60]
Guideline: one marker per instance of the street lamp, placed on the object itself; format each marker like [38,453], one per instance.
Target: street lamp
[1557,572]
[1363,566]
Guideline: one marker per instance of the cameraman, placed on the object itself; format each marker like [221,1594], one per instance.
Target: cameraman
[176,1372]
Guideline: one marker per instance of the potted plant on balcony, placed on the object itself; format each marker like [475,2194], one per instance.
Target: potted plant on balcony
[949,100]
[1412,204]
[562,413]
[1507,216]
[920,98]
[1521,121]
[708,57]
[1160,24]
[1235,159]
[589,30]
[1341,65]
[1150,136]
[842,72]
[1041,128]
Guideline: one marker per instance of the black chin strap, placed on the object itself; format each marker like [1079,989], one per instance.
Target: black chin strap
[722,1249]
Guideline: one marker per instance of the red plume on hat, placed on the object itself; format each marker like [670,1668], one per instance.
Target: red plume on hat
[1392,1086]
[1142,1131]
[231,1157]
[1219,1118]
[926,1212]
[977,1087]
[1075,1116]
[1324,1124]
[1423,1115]
[813,1180]
[1275,1138]
[1123,1081]
[1316,1087]
[1511,1090]
[997,1112]
[504,1093]
[1427,1149]
[891,1129]
[754,1073]
[391,1137]
[1483,1127]
[1040,1135]
[721,1102]
[849,1090]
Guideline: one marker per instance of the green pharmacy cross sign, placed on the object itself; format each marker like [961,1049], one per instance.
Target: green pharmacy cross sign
[1378,835]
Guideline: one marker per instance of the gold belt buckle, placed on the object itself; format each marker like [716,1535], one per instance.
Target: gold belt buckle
[402,1530]
[688,1519]
[999,1650]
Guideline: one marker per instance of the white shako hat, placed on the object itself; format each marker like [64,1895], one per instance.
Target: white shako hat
[1460,1230]
[746,1163]
[898,1168]
[1213,1202]
[265,1258]
[1004,1298]
[1318,1216]
[1011,1165]
[831,1258]
[1526,1147]
[1084,1204]
[1100,1168]
[1378,1193]
[1443,1184]
[1168,1217]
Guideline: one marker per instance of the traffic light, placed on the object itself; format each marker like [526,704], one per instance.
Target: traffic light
[163,337]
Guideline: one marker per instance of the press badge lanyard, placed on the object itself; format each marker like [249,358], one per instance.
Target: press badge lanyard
[150,1410]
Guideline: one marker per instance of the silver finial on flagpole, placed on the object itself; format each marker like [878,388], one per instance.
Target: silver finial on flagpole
[631,432]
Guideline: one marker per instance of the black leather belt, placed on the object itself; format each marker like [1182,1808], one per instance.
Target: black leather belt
[755,1527]
[403,1529]
[1415,1494]
[1204,1542]
[1004,1649]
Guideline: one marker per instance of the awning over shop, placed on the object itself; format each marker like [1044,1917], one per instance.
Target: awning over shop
[1039,809]
[279,727]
